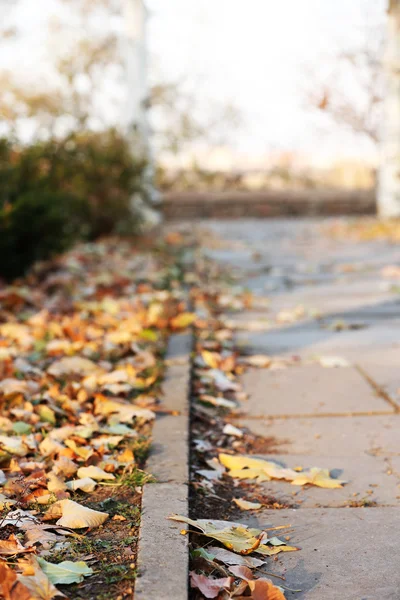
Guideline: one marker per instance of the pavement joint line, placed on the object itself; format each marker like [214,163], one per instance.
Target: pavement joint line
[381,413]
[378,389]
[163,557]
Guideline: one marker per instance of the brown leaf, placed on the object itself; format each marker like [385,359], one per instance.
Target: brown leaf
[263,589]
[10,587]
[38,584]
[13,546]
[210,588]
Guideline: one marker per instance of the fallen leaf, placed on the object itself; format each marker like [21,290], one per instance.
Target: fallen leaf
[65,572]
[13,546]
[263,589]
[258,360]
[10,587]
[331,362]
[76,516]
[319,478]
[244,467]
[234,536]
[222,402]
[244,505]
[38,584]
[210,588]
[222,382]
[232,430]
[94,473]
[183,320]
[86,484]
[230,558]
[72,365]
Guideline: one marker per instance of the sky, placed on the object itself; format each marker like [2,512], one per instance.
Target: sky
[256,54]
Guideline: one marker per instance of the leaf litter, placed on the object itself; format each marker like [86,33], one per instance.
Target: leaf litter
[82,341]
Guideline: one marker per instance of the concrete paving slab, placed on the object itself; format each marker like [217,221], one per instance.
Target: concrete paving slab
[370,480]
[331,436]
[310,339]
[346,554]
[309,390]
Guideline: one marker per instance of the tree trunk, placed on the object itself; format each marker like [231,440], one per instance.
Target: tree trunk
[389,176]
[134,118]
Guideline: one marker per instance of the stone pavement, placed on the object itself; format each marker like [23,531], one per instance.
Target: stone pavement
[343,418]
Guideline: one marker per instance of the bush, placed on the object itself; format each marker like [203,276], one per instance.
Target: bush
[46,186]
[37,226]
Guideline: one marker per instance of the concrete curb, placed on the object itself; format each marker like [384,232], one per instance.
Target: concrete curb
[163,553]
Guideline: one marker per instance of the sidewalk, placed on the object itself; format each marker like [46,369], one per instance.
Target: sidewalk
[342,418]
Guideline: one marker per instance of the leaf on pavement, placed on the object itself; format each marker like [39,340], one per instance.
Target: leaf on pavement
[243,467]
[244,505]
[210,588]
[230,558]
[261,361]
[261,589]
[234,536]
[319,477]
[332,362]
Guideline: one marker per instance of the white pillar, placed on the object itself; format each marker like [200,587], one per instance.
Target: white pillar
[134,118]
[389,176]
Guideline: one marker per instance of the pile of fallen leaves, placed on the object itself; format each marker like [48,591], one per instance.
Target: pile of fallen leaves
[82,340]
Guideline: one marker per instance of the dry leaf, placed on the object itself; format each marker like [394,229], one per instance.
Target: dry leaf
[244,467]
[183,320]
[230,558]
[85,485]
[331,362]
[263,589]
[10,587]
[94,473]
[258,360]
[76,516]
[72,365]
[39,585]
[65,572]
[210,588]
[232,430]
[13,546]
[244,505]
[234,536]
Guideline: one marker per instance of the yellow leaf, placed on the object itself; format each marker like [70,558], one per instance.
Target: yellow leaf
[94,473]
[244,505]
[318,477]
[211,359]
[246,467]
[183,320]
[76,516]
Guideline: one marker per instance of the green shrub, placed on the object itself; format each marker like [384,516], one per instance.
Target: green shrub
[38,225]
[46,185]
